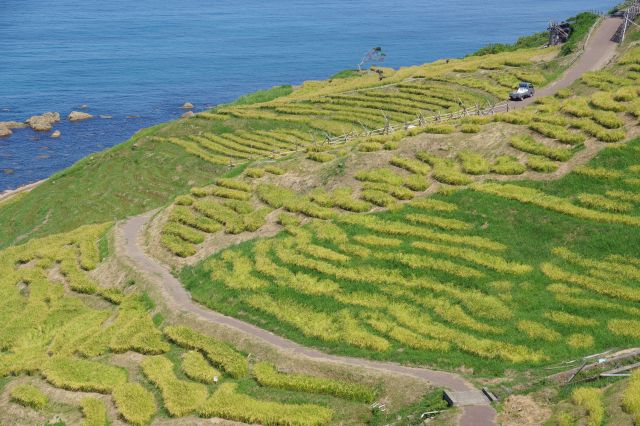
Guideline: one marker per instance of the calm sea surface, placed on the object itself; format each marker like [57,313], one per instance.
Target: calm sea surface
[146,57]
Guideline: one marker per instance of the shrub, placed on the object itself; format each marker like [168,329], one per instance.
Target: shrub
[528,144]
[226,403]
[94,412]
[591,400]
[267,375]
[473,164]
[180,397]
[82,375]
[134,403]
[541,164]
[217,352]
[29,396]
[507,165]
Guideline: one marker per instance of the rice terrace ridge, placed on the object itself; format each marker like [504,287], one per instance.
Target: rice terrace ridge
[390,246]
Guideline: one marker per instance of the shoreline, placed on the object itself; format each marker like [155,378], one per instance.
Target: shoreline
[8,193]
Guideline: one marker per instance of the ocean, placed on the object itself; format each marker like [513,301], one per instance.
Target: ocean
[139,61]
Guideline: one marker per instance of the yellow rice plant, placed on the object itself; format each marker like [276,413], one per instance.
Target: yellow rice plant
[578,107]
[580,341]
[605,101]
[601,133]
[331,328]
[473,163]
[361,298]
[186,233]
[327,231]
[487,260]
[450,176]
[179,397]
[631,397]
[611,289]
[625,270]
[627,328]
[82,375]
[418,183]
[29,396]
[404,335]
[559,133]
[378,198]
[415,261]
[607,119]
[186,216]
[485,348]
[565,318]
[323,253]
[470,128]
[632,197]
[94,412]
[591,400]
[227,403]
[440,222]
[381,175]
[355,250]
[390,227]
[135,404]
[239,277]
[267,375]
[529,145]
[454,314]
[411,165]
[342,198]
[578,302]
[601,202]
[626,94]
[551,202]
[535,330]
[320,157]
[598,172]
[376,241]
[431,204]
[254,172]
[541,164]
[236,184]
[397,192]
[197,368]
[217,352]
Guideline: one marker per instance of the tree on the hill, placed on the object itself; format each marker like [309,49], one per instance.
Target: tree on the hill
[374,55]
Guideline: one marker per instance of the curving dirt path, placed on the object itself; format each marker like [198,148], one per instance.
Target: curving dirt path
[599,50]
[129,237]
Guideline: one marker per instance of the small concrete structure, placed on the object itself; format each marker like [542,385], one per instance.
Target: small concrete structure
[464,398]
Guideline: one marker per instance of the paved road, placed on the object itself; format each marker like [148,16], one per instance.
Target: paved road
[599,50]
[131,233]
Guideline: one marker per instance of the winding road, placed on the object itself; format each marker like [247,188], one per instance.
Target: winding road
[598,51]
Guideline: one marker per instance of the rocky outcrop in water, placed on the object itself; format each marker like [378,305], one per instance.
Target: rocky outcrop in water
[43,123]
[5,131]
[56,134]
[77,116]
[187,105]
[12,124]
[187,114]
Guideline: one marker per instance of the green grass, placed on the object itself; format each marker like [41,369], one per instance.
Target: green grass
[580,25]
[263,95]
[381,277]
[524,42]
[345,74]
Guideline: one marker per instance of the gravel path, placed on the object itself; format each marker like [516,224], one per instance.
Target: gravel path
[599,50]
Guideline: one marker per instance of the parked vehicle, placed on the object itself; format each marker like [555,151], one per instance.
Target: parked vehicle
[524,90]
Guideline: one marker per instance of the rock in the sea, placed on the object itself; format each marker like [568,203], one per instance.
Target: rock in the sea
[12,124]
[5,131]
[56,134]
[77,116]
[187,114]
[84,106]
[106,116]
[43,122]
[187,105]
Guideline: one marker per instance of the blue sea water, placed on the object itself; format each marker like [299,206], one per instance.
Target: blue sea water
[145,58]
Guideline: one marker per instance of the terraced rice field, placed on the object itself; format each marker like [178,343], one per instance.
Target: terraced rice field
[64,330]
[447,281]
